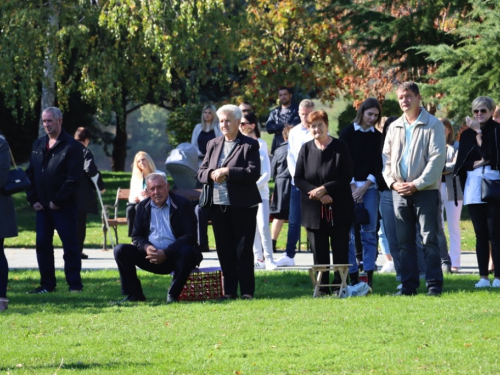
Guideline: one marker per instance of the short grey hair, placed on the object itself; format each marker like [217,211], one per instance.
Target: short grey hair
[56,112]
[306,103]
[232,109]
[484,100]
[154,176]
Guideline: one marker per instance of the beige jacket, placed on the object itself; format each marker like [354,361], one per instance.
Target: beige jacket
[427,153]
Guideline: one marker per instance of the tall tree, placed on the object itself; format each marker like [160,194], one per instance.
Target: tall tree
[470,68]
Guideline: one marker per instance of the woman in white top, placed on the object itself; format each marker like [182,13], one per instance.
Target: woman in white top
[205,131]
[249,127]
[142,166]
[453,211]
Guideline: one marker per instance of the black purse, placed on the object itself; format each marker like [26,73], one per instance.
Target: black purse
[490,189]
[206,196]
[361,215]
[17,180]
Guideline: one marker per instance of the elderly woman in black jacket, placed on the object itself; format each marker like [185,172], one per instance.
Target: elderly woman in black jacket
[232,167]
[323,175]
[478,157]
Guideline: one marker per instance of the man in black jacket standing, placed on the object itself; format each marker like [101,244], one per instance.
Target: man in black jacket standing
[55,167]
[164,237]
[286,114]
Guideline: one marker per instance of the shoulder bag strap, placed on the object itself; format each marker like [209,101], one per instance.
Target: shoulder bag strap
[12,158]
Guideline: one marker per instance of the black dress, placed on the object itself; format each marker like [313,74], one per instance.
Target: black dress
[280,200]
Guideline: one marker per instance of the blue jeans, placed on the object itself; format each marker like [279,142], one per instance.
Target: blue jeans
[368,235]
[64,221]
[294,219]
[420,208]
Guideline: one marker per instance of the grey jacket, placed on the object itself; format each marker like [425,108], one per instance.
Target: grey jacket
[8,226]
[426,157]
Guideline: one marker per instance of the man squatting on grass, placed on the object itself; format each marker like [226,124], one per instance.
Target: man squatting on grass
[164,237]
[414,157]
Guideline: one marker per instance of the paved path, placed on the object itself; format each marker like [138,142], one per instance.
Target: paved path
[99,259]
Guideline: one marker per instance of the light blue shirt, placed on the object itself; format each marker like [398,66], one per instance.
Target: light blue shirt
[403,164]
[160,231]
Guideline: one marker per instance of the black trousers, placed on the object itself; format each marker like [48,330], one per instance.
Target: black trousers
[234,230]
[130,214]
[328,237]
[181,262]
[486,221]
[81,220]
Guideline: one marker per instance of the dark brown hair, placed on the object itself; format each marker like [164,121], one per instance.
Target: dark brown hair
[82,134]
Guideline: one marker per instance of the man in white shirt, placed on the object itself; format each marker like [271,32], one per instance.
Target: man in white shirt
[297,137]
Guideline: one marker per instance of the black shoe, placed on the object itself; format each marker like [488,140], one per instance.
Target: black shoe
[354,278]
[41,290]
[132,298]
[204,249]
[369,275]
[434,292]
[171,299]
[84,256]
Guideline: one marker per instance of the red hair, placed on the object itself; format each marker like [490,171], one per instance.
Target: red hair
[318,115]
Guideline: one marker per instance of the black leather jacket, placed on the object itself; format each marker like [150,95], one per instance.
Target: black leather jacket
[55,173]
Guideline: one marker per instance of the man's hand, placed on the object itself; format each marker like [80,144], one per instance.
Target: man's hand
[38,206]
[154,255]
[406,188]
[52,206]
[317,193]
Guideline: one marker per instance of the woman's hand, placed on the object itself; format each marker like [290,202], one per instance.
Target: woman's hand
[472,123]
[317,193]
[326,199]
[358,193]
[480,163]
[220,175]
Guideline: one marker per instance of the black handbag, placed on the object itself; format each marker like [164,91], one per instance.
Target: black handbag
[17,180]
[361,215]
[206,196]
[490,189]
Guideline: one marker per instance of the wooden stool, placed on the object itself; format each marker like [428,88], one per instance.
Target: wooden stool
[320,268]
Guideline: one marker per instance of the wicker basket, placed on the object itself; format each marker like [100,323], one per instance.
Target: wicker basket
[203,284]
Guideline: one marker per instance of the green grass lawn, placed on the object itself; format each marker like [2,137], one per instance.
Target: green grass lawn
[282,331]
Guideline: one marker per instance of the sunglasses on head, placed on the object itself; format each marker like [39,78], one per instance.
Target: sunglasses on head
[482,110]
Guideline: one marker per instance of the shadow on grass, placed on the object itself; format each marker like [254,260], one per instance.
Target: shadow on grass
[74,366]
[102,289]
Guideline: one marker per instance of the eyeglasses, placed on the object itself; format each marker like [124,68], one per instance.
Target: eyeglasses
[244,123]
[246,110]
[482,110]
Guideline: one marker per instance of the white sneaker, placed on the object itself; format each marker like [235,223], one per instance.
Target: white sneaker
[285,261]
[496,283]
[483,283]
[388,267]
[259,265]
[271,266]
[399,287]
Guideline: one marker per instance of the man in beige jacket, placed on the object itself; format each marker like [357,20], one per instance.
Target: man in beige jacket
[414,156]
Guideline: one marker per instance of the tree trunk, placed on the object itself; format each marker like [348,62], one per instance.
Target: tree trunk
[48,84]
[119,153]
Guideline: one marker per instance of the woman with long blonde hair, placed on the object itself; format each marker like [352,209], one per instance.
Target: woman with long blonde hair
[142,166]
[206,130]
